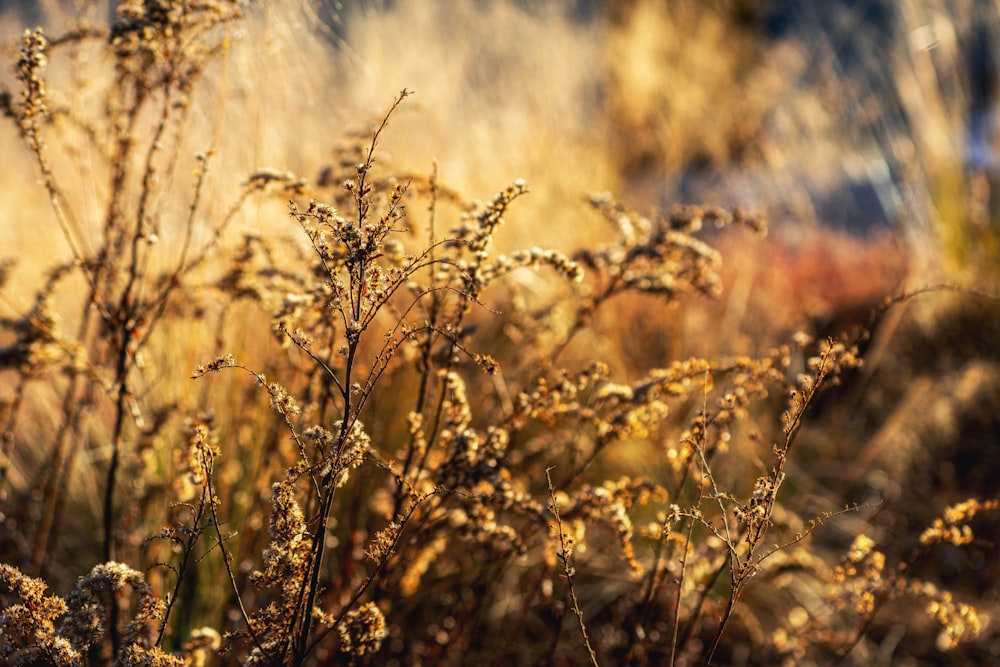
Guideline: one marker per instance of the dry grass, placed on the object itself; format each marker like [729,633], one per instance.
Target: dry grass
[274,395]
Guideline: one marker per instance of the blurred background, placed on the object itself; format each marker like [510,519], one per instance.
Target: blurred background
[870,118]
[860,115]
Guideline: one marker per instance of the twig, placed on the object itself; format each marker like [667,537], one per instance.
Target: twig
[565,555]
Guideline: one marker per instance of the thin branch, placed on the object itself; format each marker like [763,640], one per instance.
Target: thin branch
[566,555]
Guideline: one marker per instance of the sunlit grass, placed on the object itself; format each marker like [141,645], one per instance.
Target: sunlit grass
[289,358]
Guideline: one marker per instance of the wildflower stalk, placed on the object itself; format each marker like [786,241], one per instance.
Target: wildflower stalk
[757,514]
[355,320]
[565,557]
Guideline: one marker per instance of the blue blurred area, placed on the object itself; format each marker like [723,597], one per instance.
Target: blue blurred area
[867,57]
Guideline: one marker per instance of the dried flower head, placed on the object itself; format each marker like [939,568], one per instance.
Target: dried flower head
[954,526]
[362,630]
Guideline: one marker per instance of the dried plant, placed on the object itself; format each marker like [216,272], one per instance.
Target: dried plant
[409,446]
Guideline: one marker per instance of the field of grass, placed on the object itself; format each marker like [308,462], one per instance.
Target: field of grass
[511,333]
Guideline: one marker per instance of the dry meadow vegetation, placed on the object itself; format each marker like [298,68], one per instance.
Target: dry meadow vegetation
[299,367]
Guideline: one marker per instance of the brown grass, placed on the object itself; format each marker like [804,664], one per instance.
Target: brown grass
[275,391]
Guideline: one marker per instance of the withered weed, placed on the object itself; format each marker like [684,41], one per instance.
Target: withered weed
[403,445]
